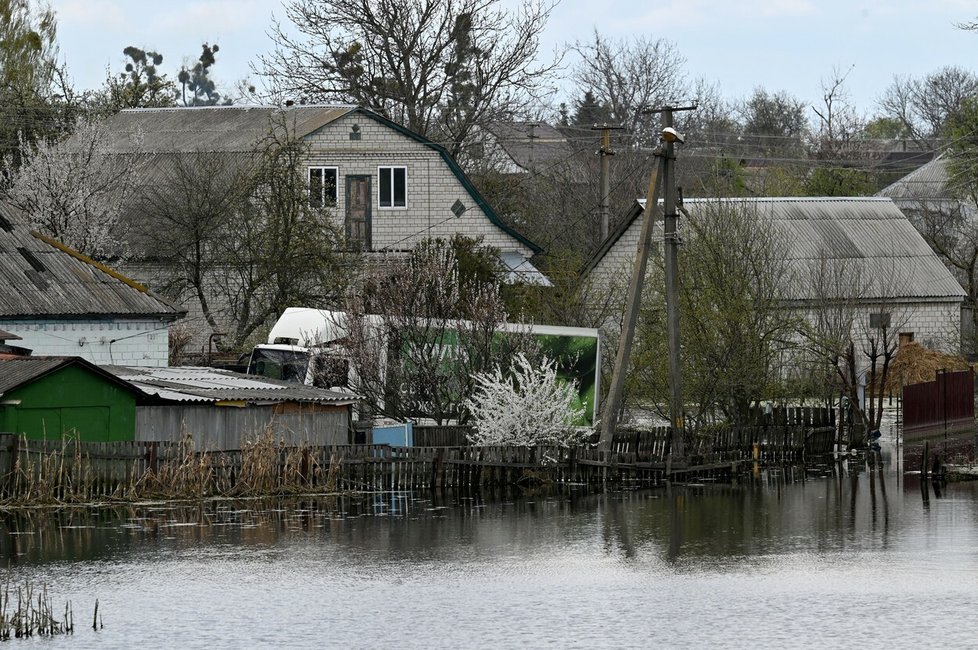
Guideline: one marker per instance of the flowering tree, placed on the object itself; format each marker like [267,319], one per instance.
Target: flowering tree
[525,406]
[76,191]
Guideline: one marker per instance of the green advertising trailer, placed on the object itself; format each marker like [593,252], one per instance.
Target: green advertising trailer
[50,397]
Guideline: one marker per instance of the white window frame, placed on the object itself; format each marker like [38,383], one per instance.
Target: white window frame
[390,199]
[326,202]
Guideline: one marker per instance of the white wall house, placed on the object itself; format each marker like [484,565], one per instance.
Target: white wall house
[387,187]
[903,279]
[61,303]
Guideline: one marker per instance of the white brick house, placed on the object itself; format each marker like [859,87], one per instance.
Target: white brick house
[388,187]
[923,301]
[61,303]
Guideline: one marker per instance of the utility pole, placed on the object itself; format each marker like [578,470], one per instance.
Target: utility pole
[532,136]
[671,245]
[605,152]
[662,175]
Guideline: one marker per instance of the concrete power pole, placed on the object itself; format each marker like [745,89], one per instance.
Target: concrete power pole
[662,176]
[671,245]
[605,152]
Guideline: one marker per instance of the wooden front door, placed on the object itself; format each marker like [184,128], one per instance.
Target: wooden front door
[358,212]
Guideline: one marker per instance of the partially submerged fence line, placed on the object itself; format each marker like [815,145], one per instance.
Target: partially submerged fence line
[72,471]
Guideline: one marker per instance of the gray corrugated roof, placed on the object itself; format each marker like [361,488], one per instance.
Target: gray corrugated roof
[868,237]
[19,371]
[196,384]
[40,278]
[211,128]
[927,182]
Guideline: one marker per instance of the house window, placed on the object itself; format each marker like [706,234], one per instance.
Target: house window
[880,320]
[906,338]
[322,187]
[393,187]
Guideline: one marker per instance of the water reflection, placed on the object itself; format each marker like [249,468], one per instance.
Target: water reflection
[772,556]
[846,505]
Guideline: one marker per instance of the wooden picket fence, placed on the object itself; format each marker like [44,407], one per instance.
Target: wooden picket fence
[70,470]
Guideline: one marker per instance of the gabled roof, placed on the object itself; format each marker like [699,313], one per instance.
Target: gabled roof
[927,182]
[20,371]
[42,278]
[871,235]
[210,128]
[531,145]
[238,129]
[210,385]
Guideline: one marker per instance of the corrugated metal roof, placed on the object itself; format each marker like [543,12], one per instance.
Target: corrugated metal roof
[41,278]
[211,128]
[197,384]
[868,237]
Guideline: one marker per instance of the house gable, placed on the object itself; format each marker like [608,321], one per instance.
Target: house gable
[361,142]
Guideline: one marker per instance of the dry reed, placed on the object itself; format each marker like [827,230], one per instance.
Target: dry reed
[25,614]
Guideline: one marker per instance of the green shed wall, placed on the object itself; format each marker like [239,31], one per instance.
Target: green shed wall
[71,399]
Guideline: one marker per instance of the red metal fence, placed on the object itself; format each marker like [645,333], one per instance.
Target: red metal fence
[945,405]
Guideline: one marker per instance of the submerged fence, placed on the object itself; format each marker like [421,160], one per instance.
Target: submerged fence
[70,470]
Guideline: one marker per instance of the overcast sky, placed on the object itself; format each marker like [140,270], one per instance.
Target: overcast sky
[778,44]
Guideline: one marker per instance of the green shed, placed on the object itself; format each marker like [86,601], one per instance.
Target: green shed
[46,397]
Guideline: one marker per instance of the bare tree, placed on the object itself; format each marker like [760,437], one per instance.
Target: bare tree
[238,233]
[421,330]
[76,191]
[923,106]
[735,276]
[853,329]
[186,213]
[439,67]
[279,251]
[631,76]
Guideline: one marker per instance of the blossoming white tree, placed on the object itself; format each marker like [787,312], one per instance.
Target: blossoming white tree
[525,406]
[76,191]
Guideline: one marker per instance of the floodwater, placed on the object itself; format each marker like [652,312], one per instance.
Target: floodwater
[838,556]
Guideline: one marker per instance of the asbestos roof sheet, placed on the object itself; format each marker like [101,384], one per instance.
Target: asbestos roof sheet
[927,182]
[42,278]
[211,128]
[196,384]
[547,147]
[864,237]
[868,238]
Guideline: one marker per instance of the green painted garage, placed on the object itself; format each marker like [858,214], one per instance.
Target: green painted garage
[47,397]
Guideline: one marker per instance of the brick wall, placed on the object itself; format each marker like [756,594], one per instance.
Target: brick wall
[121,342]
[432,188]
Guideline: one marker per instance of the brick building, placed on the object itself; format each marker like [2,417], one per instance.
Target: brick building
[387,187]
[61,303]
[900,280]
